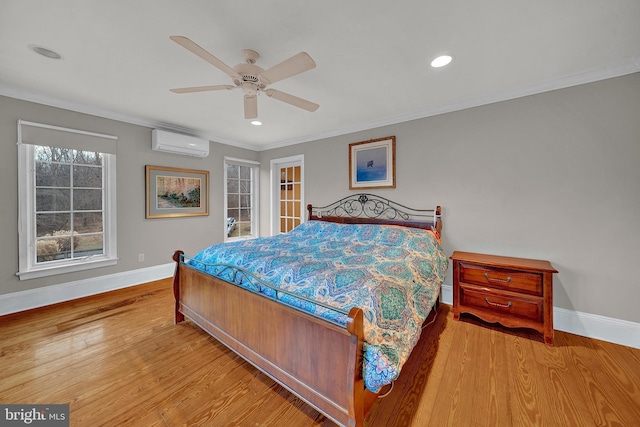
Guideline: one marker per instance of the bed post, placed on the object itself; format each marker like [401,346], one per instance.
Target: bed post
[355,326]
[178,316]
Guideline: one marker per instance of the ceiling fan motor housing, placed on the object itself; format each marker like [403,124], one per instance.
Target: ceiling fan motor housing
[250,83]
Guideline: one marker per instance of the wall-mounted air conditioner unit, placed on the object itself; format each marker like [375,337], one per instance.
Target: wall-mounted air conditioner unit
[176,143]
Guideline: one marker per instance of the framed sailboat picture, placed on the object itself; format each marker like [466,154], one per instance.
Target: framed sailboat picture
[372,164]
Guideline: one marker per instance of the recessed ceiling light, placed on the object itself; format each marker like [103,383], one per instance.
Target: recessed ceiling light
[256,122]
[44,51]
[441,61]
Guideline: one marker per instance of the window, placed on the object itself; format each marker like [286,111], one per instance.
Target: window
[241,196]
[66,219]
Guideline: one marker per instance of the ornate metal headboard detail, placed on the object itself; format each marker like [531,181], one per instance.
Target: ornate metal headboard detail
[368,208]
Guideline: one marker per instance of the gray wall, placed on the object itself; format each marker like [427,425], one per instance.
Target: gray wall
[553,176]
[156,238]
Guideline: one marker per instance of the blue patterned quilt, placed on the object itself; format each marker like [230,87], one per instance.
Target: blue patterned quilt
[392,273]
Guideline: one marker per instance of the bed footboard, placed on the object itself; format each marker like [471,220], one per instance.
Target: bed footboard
[316,360]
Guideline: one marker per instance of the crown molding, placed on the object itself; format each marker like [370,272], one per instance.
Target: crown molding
[630,66]
[24,95]
[627,67]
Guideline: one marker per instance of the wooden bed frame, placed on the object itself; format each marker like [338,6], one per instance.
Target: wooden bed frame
[285,343]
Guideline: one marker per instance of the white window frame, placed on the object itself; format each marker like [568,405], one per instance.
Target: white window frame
[28,267]
[255,197]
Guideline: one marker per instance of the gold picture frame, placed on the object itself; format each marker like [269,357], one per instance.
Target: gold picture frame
[176,192]
[372,164]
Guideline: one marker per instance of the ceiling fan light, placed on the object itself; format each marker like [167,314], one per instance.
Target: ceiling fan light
[441,61]
[256,122]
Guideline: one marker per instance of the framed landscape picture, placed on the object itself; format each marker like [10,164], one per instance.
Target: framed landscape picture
[174,192]
[372,164]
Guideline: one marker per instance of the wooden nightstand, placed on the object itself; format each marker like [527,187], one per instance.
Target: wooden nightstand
[515,292]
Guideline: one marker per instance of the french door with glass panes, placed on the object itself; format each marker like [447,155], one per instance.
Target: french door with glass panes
[290,199]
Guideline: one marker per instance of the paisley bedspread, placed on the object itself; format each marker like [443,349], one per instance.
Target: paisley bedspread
[392,273]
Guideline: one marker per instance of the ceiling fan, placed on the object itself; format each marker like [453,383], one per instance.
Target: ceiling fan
[251,78]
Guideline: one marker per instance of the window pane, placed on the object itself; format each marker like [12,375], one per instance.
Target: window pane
[245,214]
[87,222]
[53,154]
[51,249]
[88,158]
[52,199]
[233,201]
[232,171]
[48,223]
[245,201]
[52,174]
[232,186]
[233,213]
[245,186]
[88,245]
[245,172]
[245,229]
[87,200]
[87,176]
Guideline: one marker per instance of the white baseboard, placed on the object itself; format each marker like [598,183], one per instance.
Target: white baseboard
[587,325]
[447,294]
[40,297]
[598,327]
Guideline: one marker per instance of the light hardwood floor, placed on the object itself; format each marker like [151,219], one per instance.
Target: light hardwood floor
[118,360]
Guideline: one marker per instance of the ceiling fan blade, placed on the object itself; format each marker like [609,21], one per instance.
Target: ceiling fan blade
[197,50]
[250,106]
[289,67]
[202,88]
[293,100]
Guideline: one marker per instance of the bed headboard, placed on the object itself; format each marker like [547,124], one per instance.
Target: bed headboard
[367,208]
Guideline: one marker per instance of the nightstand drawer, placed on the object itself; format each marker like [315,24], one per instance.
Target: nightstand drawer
[502,303]
[501,278]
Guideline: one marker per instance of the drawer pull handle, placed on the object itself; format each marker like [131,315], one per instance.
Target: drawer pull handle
[493,279]
[495,304]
